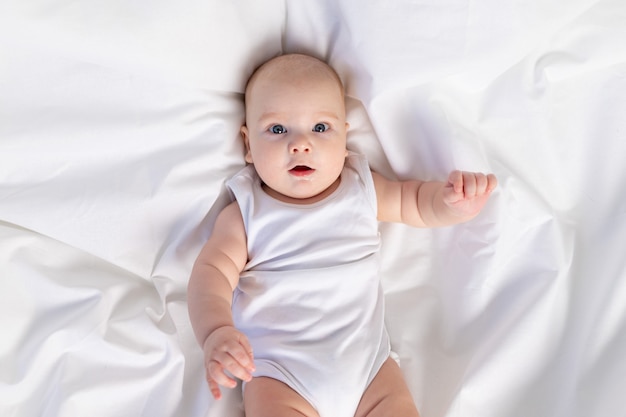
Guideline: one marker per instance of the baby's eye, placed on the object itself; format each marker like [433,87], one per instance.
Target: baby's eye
[320,127]
[278,129]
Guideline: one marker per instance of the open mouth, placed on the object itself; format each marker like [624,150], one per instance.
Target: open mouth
[301,170]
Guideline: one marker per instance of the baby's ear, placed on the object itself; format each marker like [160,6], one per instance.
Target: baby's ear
[246,141]
[347,128]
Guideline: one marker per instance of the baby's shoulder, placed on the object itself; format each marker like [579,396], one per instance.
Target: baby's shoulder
[231,214]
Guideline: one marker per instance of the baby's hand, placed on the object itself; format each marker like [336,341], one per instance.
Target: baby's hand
[467,192]
[227,349]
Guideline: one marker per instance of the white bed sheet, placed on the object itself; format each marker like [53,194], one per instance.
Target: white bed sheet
[119,124]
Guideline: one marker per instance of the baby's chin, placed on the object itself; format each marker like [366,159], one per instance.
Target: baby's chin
[303,195]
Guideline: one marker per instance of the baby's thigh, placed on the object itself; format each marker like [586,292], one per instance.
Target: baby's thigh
[267,397]
[387,395]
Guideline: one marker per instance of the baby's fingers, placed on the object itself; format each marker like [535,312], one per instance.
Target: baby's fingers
[470,184]
[213,386]
[234,368]
[243,354]
[216,374]
[481,183]
[228,355]
[492,182]
[455,179]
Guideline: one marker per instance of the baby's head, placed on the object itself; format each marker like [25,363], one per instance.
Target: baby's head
[295,131]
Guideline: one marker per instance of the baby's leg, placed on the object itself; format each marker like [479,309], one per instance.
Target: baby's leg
[267,397]
[387,395]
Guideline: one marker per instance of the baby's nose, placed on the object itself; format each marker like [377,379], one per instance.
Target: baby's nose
[300,144]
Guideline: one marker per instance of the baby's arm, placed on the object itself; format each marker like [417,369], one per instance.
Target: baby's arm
[214,276]
[433,203]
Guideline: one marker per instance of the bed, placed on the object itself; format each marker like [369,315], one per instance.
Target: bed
[119,124]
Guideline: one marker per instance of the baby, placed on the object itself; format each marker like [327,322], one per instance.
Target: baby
[285,294]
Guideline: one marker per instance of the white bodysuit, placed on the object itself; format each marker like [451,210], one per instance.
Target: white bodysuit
[309,298]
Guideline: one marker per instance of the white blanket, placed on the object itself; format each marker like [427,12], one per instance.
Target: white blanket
[119,123]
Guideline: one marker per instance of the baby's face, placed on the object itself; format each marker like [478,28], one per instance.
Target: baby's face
[295,135]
